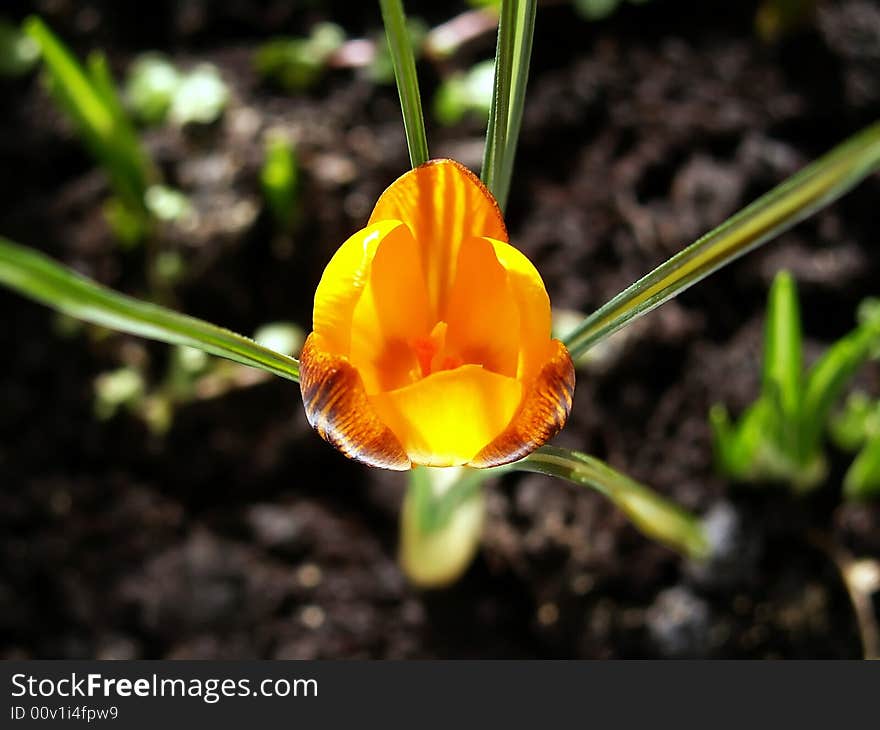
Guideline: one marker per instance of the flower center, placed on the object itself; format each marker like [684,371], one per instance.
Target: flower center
[432,354]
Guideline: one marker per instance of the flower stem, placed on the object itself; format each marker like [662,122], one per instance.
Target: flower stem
[404,63]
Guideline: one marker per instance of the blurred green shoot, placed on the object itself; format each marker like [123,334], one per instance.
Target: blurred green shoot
[857,428]
[19,52]
[777,18]
[280,180]
[298,63]
[156,90]
[88,98]
[779,437]
[150,87]
[463,93]
[200,98]
[600,9]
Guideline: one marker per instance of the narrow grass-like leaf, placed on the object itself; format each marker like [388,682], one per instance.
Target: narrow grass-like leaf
[862,480]
[783,356]
[799,197]
[652,514]
[38,277]
[828,376]
[499,117]
[403,60]
[279,178]
[89,99]
[522,55]
[856,422]
[737,444]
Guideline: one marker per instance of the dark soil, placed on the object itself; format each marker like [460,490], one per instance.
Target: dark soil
[241,534]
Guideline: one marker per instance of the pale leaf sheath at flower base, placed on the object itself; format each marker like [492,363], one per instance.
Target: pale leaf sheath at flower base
[431,342]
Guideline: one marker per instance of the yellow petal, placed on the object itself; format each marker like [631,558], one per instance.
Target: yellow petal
[544,411]
[343,282]
[446,418]
[533,306]
[483,314]
[391,313]
[443,203]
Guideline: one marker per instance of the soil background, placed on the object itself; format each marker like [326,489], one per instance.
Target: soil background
[240,534]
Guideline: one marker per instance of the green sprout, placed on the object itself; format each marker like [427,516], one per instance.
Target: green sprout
[156,90]
[857,429]
[200,98]
[280,179]
[779,438]
[87,96]
[19,52]
[600,9]
[150,87]
[468,92]
[298,63]
[777,18]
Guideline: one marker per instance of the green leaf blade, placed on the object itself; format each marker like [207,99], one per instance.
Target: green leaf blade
[496,133]
[88,97]
[783,347]
[516,29]
[829,375]
[404,63]
[38,277]
[653,515]
[862,480]
[800,196]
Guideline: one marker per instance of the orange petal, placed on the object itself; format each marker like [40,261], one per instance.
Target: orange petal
[338,409]
[446,418]
[482,313]
[544,411]
[392,312]
[533,305]
[343,283]
[443,203]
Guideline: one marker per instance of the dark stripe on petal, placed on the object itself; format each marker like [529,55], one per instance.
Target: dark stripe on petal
[544,412]
[337,407]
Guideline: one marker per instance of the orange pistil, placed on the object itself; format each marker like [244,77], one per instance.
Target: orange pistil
[432,354]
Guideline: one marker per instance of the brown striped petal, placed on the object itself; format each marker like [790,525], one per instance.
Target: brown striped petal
[543,413]
[337,408]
